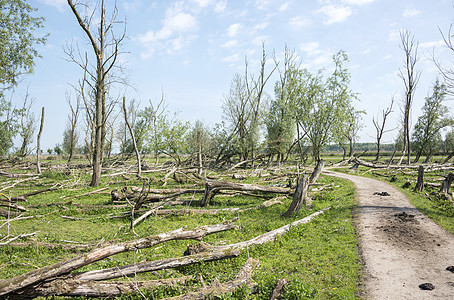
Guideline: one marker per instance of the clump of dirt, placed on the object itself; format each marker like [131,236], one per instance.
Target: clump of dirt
[403,231]
[382,194]
[427,286]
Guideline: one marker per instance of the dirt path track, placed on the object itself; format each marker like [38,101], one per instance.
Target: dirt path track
[401,247]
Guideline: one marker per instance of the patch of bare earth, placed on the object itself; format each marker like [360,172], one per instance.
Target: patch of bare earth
[405,254]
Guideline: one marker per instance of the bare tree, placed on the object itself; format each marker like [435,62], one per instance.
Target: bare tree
[131,132]
[447,73]
[27,125]
[380,128]
[106,48]
[410,76]
[38,143]
[71,136]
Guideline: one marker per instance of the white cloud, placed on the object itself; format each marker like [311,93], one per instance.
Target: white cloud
[260,4]
[229,44]
[259,40]
[283,7]
[220,6]
[411,12]
[261,26]
[432,44]
[176,32]
[394,35]
[202,3]
[389,56]
[358,2]
[311,48]
[231,58]
[367,51]
[316,55]
[335,13]
[58,4]
[299,22]
[233,29]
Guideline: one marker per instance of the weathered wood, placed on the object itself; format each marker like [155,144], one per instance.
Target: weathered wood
[420,182]
[213,186]
[66,267]
[98,289]
[299,198]
[216,288]
[447,183]
[278,289]
[149,266]
[266,237]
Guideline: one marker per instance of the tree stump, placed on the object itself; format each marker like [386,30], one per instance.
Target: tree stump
[299,198]
[447,183]
[420,182]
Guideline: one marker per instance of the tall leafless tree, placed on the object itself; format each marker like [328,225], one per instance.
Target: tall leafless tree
[38,143]
[131,132]
[410,77]
[27,125]
[70,140]
[380,128]
[106,48]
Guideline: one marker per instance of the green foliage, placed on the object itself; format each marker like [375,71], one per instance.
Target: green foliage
[18,39]
[322,105]
[426,138]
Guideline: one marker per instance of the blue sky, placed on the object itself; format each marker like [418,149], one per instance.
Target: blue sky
[191,50]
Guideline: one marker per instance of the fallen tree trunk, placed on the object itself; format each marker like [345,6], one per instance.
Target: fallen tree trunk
[213,186]
[66,267]
[149,266]
[259,240]
[215,289]
[106,289]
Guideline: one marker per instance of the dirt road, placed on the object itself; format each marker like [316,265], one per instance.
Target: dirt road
[401,247]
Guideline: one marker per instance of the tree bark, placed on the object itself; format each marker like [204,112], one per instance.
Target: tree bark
[299,198]
[38,143]
[420,182]
[66,267]
[131,131]
[264,238]
[212,187]
[106,289]
[447,183]
[215,289]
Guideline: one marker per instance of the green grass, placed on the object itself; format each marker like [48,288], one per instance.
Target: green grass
[320,259]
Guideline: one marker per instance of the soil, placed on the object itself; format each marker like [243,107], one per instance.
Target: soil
[405,254]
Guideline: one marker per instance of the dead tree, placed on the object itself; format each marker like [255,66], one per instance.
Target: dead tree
[56,270]
[38,143]
[212,187]
[106,48]
[300,196]
[71,135]
[380,128]
[420,182]
[410,77]
[447,183]
[131,132]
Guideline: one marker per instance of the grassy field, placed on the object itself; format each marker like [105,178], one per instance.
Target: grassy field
[320,259]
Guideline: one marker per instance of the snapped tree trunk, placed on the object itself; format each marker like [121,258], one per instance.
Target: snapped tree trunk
[299,198]
[447,183]
[38,143]
[420,182]
[131,131]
